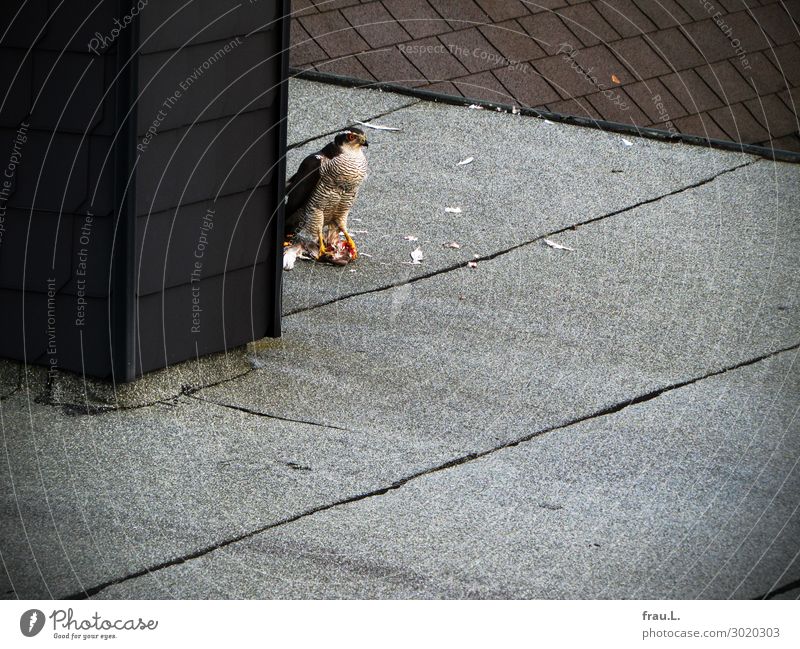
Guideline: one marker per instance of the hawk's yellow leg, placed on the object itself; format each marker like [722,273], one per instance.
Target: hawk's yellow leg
[316,224]
[322,250]
[350,243]
[341,225]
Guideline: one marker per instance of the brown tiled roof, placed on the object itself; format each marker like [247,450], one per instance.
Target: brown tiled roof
[726,69]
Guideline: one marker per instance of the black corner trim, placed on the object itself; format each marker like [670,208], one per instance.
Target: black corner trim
[122,301]
[276,305]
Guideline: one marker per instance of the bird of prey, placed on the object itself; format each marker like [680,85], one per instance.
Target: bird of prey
[320,195]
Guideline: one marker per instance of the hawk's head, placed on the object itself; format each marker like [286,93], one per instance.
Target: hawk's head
[352,137]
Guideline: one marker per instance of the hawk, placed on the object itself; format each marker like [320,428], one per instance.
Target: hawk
[320,195]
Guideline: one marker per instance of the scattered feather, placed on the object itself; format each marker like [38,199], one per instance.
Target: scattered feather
[289,257]
[292,253]
[452,244]
[558,246]
[378,127]
[359,231]
[465,161]
[515,110]
[475,107]
[472,264]
[417,256]
[547,121]
[453,210]
[364,254]
[410,237]
[627,142]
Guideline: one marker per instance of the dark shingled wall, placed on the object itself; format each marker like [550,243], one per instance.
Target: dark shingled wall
[146,154]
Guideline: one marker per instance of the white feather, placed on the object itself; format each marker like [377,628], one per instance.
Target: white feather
[289,257]
[378,127]
[558,246]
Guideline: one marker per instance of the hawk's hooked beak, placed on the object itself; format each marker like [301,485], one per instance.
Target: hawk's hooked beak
[363,140]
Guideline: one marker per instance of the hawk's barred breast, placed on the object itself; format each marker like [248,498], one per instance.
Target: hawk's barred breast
[340,178]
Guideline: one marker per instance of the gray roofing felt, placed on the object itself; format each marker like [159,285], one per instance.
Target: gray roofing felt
[615,420]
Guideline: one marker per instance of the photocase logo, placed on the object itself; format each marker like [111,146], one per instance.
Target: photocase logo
[31,622]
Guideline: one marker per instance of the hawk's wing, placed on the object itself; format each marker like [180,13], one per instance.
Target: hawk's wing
[300,186]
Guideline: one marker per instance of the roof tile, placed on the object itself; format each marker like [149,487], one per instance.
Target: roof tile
[330,5]
[739,124]
[664,13]
[618,107]
[417,17]
[787,143]
[539,6]
[640,58]
[625,17]
[726,82]
[773,115]
[443,88]
[777,22]
[763,75]
[303,48]
[701,125]
[709,39]
[346,66]
[527,86]
[499,10]
[656,101]
[460,13]
[675,49]
[389,64]
[693,93]
[786,59]
[747,31]
[513,41]
[333,33]
[548,31]
[576,106]
[588,25]
[375,24]
[431,57]
[473,51]
[484,85]
[568,76]
[694,8]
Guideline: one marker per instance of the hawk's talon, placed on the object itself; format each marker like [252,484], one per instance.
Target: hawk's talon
[350,244]
[322,250]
